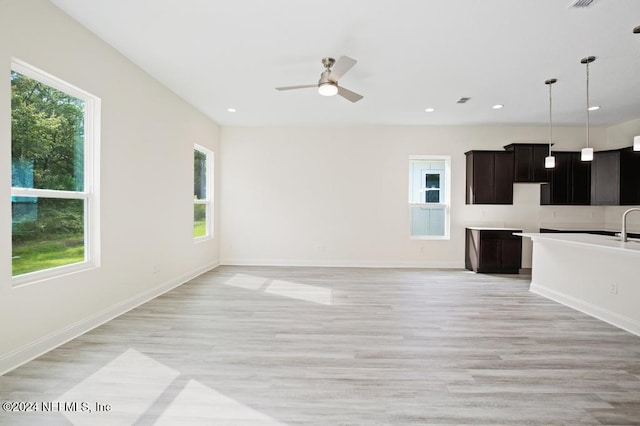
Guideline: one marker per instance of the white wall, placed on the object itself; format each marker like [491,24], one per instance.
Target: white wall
[338,195]
[146,179]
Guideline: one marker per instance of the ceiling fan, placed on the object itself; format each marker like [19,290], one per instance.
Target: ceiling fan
[328,83]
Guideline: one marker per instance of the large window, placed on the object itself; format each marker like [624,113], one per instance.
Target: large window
[202,193]
[54,135]
[429,178]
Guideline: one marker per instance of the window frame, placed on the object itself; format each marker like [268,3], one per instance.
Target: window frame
[91,173]
[445,195]
[438,188]
[208,200]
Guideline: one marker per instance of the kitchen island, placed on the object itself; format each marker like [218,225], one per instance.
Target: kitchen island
[596,274]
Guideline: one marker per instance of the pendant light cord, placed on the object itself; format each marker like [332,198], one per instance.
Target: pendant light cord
[550,122]
[587,104]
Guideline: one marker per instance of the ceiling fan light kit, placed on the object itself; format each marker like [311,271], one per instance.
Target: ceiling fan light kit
[328,89]
[328,83]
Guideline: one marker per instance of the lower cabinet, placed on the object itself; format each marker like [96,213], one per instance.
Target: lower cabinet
[493,250]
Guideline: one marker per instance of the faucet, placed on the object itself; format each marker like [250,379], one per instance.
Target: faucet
[623,234]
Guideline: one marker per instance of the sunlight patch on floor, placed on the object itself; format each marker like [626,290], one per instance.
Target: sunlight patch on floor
[133,383]
[309,293]
[250,282]
[130,384]
[199,403]
[293,290]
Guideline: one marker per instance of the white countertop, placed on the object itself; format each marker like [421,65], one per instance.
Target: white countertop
[600,241]
[489,228]
[587,227]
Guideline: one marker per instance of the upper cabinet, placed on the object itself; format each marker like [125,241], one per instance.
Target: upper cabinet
[611,179]
[605,178]
[489,177]
[569,182]
[528,162]
[615,177]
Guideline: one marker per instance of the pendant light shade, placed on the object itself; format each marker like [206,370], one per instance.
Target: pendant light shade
[587,152]
[550,160]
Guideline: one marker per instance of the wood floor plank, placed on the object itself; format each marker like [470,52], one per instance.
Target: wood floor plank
[341,346]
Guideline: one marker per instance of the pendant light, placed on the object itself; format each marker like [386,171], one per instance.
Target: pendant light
[587,152]
[550,161]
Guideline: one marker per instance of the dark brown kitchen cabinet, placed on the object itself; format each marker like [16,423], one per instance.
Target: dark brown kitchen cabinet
[605,178]
[528,162]
[489,177]
[493,250]
[569,182]
[615,177]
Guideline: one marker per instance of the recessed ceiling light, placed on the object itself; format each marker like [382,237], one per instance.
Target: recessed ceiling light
[429,109]
[232,110]
[594,108]
[497,106]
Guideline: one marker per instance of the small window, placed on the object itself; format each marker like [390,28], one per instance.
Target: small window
[54,136]
[429,196]
[202,193]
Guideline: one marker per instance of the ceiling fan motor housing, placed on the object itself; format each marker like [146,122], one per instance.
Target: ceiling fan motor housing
[328,62]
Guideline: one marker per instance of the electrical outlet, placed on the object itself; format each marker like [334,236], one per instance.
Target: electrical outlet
[613,288]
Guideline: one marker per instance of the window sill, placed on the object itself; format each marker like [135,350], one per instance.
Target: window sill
[430,237]
[52,273]
[203,239]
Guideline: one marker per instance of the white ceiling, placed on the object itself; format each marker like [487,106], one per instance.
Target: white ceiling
[412,54]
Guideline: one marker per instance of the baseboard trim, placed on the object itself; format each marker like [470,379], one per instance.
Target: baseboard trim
[47,343]
[342,263]
[617,320]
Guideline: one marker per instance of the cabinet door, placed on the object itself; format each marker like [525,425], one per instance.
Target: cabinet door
[629,177]
[580,190]
[569,181]
[489,177]
[503,178]
[539,172]
[528,162]
[490,255]
[522,163]
[559,179]
[605,178]
[511,254]
[484,178]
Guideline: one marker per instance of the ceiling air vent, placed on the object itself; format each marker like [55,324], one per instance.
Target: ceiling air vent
[580,3]
[463,100]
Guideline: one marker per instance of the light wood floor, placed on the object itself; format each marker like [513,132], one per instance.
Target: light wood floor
[340,346]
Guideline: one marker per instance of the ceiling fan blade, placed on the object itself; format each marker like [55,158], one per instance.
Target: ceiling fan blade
[342,65]
[296,87]
[349,95]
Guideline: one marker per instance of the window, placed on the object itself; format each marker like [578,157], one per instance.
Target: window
[54,134]
[429,178]
[202,193]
